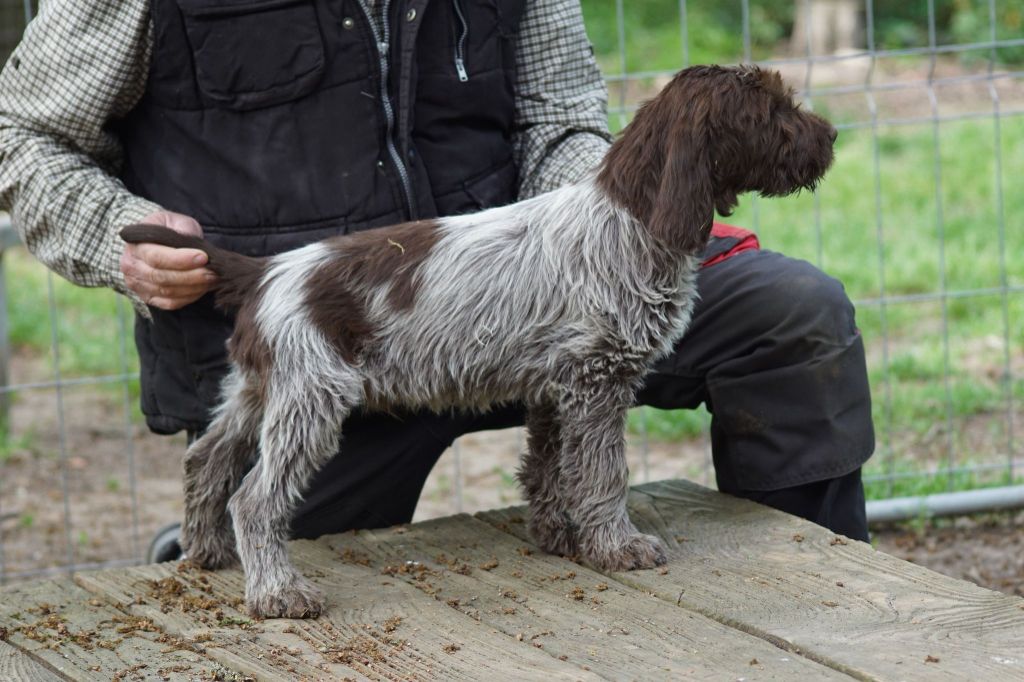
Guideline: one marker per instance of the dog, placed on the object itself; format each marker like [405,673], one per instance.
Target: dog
[560,303]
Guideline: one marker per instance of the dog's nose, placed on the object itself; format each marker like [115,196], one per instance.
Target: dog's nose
[833,134]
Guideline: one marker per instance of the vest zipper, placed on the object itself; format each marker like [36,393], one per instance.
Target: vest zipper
[460,42]
[389,111]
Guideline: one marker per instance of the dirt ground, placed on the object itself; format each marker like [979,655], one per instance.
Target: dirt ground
[111,520]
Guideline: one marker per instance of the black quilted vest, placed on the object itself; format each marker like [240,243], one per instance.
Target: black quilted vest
[275,123]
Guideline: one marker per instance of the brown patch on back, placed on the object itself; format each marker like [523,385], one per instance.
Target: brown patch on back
[361,263]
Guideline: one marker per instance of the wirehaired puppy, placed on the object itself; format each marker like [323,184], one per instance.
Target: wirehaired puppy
[560,303]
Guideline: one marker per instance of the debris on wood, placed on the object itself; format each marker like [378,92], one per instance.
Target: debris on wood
[351,556]
[450,648]
[931,659]
[489,565]
[123,674]
[172,593]
[798,538]
[359,649]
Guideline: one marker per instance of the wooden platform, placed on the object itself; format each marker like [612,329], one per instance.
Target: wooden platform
[750,593]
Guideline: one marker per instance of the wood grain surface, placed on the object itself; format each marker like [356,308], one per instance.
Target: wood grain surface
[749,593]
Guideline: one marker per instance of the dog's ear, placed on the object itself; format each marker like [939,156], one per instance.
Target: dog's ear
[684,205]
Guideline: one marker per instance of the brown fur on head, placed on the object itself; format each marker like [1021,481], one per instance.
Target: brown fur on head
[711,134]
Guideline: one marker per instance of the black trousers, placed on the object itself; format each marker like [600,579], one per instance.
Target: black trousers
[774,353]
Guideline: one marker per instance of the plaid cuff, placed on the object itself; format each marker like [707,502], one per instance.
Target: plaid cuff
[132,212]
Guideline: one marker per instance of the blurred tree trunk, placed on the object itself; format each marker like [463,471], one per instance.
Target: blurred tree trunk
[834,25]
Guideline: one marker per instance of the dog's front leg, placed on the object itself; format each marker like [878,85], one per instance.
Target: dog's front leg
[301,431]
[595,477]
[550,525]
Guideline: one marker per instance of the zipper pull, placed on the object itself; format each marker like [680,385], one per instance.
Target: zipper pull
[460,67]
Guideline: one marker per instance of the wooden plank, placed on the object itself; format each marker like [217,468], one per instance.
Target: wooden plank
[204,606]
[84,638]
[570,612]
[837,601]
[15,664]
[438,642]
[370,630]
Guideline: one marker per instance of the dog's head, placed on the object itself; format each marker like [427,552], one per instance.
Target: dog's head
[711,134]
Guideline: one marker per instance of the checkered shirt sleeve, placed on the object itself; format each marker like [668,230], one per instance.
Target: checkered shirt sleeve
[561,98]
[83,63]
[80,64]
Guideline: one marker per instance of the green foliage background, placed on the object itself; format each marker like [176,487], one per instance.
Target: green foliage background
[654,39]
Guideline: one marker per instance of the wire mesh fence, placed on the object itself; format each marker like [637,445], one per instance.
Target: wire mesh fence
[917,218]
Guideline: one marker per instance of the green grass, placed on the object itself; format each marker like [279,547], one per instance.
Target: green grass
[911,482]
[88,330]
[669,424]
[655,41]
[11,444]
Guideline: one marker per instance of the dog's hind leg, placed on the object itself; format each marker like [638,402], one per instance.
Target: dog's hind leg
[214,465]
[595,477]
[550,525]
[300,432]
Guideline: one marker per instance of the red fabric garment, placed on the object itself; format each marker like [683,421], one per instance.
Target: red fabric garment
[733,240]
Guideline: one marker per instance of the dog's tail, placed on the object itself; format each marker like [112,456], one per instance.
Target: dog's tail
[238,276]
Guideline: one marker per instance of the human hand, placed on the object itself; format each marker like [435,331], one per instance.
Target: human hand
[163,277]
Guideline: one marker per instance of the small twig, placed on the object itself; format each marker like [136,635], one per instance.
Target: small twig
[394,243]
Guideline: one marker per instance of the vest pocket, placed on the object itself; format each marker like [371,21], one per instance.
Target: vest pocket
[254,54]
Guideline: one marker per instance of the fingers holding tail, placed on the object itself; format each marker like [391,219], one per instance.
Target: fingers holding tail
[238,275]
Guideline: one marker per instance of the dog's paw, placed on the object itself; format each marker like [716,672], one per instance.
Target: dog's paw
[211,551]
[298,599]
[638,551]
